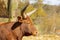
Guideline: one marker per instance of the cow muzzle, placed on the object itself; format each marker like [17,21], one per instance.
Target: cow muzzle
[35,33]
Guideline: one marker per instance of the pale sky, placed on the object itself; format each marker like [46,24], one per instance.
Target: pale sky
[52,2]
[32,1]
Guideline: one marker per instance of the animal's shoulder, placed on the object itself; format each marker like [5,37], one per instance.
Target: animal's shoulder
[6,23]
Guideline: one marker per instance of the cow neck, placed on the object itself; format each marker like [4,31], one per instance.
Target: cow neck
[21,34]
[15,25]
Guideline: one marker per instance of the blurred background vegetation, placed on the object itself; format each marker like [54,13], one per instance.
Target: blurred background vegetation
[46,18]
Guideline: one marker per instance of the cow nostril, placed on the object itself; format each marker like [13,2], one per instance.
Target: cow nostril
[35,33]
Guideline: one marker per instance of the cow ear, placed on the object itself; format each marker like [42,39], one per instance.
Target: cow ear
[19,18]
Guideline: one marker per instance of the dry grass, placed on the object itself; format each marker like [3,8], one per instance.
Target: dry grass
[43,37]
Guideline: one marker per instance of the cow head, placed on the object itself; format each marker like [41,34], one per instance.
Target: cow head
[27,26]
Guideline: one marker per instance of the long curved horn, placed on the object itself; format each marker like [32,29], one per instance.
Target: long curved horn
[30,13]
[23,10]
[26,14]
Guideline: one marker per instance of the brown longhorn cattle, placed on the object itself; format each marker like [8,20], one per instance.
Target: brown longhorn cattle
[16,30]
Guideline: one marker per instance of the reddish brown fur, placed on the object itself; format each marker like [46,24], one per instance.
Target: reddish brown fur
[25,29]
[6,34]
